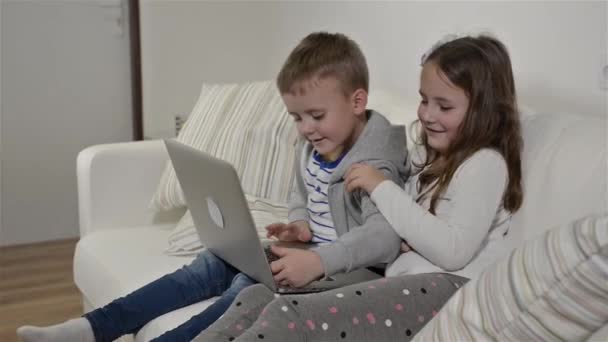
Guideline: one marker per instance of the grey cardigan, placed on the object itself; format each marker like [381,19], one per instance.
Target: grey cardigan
[365,238]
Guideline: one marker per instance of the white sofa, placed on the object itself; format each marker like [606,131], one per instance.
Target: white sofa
[122,240]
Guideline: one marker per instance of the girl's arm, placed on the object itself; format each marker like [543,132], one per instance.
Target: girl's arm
[450,239]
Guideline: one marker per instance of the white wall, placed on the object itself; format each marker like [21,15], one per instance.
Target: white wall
[186,42]
[557,48]
[65,85]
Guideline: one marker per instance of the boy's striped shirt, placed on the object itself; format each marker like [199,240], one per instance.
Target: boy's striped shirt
[316,177]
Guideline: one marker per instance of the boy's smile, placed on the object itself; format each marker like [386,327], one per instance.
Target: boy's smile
[325,116]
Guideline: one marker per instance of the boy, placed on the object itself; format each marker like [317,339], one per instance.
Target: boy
[324,85]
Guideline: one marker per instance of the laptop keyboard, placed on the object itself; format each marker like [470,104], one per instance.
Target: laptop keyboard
[288,289]
[269,255]
[299,290]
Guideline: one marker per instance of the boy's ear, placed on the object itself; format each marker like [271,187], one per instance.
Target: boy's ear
[359,101]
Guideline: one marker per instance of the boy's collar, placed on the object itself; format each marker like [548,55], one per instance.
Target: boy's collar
[328,164]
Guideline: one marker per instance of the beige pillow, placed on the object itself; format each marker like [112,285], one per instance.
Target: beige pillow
[247,125]
[553,288]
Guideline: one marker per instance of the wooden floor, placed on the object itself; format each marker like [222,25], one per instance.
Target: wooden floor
[36,286]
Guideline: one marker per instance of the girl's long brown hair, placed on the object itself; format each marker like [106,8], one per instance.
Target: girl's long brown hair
[482,68]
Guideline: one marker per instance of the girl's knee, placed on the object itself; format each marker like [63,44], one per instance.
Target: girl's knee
[282,308]
[256,290]
[255,295]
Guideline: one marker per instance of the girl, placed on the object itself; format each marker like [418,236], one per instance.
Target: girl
[453,215]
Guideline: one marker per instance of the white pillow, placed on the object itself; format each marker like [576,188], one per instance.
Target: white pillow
[564,165]
[248,126]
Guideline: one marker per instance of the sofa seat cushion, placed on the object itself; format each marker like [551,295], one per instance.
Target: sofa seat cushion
[112,263]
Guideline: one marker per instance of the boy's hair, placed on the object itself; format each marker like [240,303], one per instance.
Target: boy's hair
[482,68]
[323,54]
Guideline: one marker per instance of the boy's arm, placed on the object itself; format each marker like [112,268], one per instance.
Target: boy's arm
[371,243]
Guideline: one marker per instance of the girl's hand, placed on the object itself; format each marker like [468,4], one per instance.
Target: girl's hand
[296,267]
[294,231]
[364,177]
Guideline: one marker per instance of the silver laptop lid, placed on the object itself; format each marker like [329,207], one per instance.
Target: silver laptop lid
[219,210]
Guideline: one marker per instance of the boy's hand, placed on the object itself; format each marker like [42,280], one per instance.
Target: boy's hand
[294,231]
[296,267]
[364,177]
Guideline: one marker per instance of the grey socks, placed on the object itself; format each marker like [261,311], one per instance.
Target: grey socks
[74,330]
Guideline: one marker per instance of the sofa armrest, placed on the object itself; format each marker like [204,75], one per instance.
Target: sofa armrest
[116,183]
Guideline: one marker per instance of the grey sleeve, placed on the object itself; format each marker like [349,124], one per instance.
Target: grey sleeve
[373,242]
[298,196]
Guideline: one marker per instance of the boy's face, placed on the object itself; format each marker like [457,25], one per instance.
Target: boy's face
[327,118]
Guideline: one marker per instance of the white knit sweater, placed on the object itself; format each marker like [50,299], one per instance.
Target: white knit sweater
[469,231]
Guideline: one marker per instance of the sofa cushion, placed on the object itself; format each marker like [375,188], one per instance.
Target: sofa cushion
[183,239]
[551,288]
[564,164]
[112,263]
[247,125]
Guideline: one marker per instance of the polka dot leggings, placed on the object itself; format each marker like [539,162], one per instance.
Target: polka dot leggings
[388,309]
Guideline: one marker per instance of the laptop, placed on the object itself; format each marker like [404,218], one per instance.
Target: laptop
[221,215]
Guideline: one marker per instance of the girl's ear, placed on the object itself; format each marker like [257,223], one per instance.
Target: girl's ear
[359,101]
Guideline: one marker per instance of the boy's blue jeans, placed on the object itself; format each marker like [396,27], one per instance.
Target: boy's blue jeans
[207,276]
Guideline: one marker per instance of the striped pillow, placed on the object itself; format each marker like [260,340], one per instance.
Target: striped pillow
[552,288]
[247,125]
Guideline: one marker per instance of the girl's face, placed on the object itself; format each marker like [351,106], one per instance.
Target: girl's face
[442,108]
